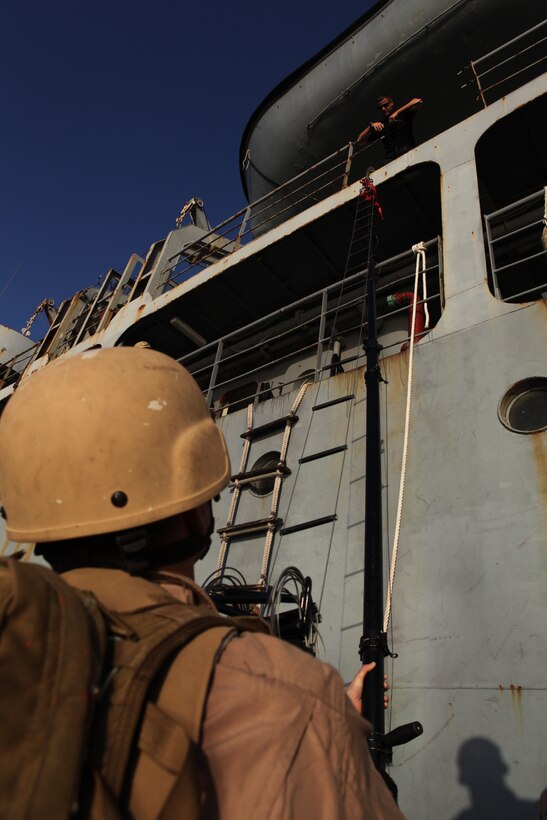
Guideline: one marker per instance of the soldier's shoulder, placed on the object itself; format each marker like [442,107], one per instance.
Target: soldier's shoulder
[263,656]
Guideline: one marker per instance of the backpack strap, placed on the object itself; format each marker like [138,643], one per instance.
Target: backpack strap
[51,651]
[162,739]
[183,801]
[137,664]
[173,745]
[146,643]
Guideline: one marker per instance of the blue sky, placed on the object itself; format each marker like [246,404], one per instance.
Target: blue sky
[115,114]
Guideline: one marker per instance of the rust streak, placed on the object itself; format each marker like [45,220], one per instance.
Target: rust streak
[516,697]
[539,445]
[349,379]
[539,452]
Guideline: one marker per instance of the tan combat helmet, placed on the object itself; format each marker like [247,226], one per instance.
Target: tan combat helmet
[105,441]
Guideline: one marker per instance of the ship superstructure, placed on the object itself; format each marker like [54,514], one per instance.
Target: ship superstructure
[267,311]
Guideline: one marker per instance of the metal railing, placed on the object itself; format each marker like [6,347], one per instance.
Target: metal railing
[494,71]
[307,327]
[517,248]
[491,72]
[326,177]
[11,371]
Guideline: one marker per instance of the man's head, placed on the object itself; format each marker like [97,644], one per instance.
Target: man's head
[385,104]
[110,458]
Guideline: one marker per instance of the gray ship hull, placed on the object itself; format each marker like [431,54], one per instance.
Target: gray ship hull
[469,594]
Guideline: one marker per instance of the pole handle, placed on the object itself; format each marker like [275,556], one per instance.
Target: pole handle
[403,734]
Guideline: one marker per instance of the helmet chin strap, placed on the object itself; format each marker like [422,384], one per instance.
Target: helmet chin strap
[136,550]
[136,555]
[132,550]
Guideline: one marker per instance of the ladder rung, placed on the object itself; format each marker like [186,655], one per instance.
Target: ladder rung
[247,527]
[306,525]
[334,401]
[259,473]
[270,427]
[322,454]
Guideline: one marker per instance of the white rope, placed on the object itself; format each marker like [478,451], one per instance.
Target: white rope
[222,555]
[419,250]
[237,492]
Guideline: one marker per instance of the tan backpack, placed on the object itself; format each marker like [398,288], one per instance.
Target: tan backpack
[77,696]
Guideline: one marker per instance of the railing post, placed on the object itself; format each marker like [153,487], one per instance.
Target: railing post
[348,166]
[497,292]
[214,372]
[477,80]
[6,374]
[237,241]
[440,266]
[322,324]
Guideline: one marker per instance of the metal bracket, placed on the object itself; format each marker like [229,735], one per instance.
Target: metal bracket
[376,642]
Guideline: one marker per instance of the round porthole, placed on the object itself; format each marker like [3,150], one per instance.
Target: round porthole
[266,463]
[523,408]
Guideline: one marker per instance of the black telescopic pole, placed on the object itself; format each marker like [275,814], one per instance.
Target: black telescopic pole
[373,643]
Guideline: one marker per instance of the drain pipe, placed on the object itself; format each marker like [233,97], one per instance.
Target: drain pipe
[407,297]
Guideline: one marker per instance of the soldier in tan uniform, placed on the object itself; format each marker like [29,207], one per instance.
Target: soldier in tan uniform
[117,487]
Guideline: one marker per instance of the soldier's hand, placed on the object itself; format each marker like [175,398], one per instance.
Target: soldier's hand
[354,690]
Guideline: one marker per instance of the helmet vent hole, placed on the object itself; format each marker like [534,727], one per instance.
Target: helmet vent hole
[119,498]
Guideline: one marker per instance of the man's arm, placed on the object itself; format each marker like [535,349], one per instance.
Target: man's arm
[285,716]
[376,127]
[412,105]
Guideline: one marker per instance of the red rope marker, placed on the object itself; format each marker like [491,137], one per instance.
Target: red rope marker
[368,193]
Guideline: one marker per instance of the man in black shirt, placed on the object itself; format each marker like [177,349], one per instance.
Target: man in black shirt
[395,126]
